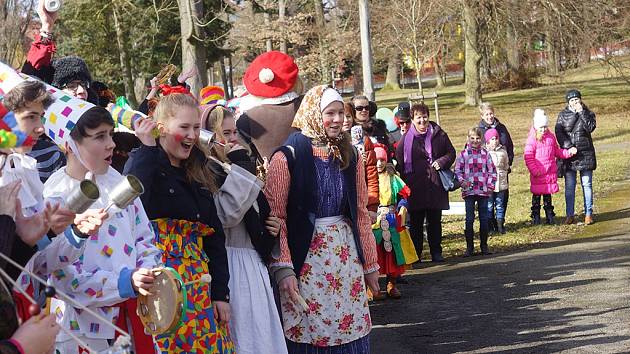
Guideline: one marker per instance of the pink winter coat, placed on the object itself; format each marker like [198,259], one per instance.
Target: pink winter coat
[540,159]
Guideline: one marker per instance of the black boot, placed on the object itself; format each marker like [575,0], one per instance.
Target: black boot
[550,216]
[493,225]
[483,237]
[501,226]
[470,245]
[535,209]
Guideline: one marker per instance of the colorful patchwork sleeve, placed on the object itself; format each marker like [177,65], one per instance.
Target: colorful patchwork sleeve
[148,255]
[459,167]
[95,288]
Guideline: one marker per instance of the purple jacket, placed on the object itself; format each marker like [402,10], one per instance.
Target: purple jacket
[476,167]
[540,159]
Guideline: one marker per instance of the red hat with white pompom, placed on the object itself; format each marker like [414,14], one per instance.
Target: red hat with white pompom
[271,74]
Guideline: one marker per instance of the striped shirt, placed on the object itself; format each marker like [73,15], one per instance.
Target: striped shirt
[49,157]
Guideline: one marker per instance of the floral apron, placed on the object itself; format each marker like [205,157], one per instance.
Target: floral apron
[332,284]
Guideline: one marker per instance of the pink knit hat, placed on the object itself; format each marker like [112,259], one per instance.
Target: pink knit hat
[380,153]
[491,133]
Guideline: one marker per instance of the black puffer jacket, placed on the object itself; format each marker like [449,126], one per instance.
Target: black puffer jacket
[574,129]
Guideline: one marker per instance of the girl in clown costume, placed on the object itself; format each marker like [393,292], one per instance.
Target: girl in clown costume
[178,195]
[394,246]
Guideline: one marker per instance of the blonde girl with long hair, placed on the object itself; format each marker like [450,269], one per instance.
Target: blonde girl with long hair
[179,201]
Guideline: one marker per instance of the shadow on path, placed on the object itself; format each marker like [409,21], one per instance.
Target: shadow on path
[563,296]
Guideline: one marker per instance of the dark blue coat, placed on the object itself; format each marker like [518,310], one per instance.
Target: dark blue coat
[168,194]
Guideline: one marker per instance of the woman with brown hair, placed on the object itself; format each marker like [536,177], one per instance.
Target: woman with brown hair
[315,185]
[421,153]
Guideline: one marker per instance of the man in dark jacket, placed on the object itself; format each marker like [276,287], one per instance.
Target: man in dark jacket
[573,129]
[490,121]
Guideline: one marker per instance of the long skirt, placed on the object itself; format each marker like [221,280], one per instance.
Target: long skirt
[333,286]
[254,320]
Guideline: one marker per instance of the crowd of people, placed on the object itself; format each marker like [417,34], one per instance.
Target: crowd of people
[295,205]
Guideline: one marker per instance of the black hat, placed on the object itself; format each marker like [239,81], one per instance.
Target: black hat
[403,112]
[573,94]
[68,69]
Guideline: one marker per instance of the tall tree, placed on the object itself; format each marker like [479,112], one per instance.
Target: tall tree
[472,28]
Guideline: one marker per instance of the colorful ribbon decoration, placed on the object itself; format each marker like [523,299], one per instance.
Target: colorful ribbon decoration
[128,118]
[10,137]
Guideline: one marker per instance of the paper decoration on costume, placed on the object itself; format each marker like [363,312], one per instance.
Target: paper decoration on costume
[61,117]
[122,101]
[9,78]
[127,118]
[10,136]
[387,116]
[210,95]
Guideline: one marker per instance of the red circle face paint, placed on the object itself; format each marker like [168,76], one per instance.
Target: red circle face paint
[179,138]
[327,123]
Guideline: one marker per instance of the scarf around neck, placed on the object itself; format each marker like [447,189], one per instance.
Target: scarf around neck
[409,138]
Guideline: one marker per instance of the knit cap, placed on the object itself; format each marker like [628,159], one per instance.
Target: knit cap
[540,118]
[380,153]
[491,133]
[573,94]
[68,69]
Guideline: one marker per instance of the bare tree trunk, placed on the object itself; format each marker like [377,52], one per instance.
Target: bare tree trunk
[513,48]
[418,68]
[193,51]
[140,88]
[125,62]
[357,77]
[473,56]
[320,21]
[230,94]
[282,9]
[391,80]
[224,77]
[210,74]
[268,42]
[439,71]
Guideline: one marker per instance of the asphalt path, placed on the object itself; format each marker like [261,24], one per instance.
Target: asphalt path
[566,296]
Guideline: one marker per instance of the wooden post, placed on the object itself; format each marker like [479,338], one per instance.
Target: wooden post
[421,98]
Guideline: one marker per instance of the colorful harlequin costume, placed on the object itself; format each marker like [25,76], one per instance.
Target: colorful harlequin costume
[191,238]
[395,249]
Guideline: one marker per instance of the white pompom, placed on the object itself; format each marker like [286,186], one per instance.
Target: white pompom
[206,278]
[265,75]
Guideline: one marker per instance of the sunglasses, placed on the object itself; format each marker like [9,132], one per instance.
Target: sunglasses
[362,108]
[74,85]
